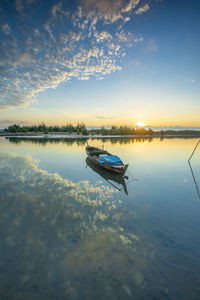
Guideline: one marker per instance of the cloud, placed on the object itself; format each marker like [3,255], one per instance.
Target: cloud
[152,46]
[132,4]
[142,9]
[105,118]
[128,38]
[191,80]
[66,44]
[19,5]
[102,36]
[43,63]
[22,5]
[56,8]
[127,19]
[6,28]
[111,10]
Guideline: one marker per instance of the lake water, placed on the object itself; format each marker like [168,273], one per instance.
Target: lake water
[68,233]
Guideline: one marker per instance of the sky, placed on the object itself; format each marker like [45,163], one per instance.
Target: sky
[117,62]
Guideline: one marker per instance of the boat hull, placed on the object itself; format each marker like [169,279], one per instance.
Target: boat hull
[117,169]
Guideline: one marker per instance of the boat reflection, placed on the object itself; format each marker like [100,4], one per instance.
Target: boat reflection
[110,177]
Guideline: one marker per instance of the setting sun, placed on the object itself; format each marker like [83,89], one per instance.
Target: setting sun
[140,124]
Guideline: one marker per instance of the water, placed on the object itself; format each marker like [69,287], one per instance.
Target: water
[68,233]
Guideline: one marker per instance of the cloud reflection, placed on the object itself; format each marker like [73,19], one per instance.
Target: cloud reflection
[63,236]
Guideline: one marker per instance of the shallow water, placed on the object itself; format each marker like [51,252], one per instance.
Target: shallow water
[68,233]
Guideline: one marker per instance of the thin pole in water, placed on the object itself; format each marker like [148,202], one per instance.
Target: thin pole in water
[194,150]
[194,179]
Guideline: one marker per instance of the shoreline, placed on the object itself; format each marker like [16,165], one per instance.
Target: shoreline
[76,136]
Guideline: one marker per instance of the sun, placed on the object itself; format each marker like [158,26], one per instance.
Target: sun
[140,124]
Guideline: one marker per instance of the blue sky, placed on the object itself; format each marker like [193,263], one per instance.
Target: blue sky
[100,62]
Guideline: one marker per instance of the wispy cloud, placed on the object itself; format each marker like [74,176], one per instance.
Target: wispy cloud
[67,43]
[130,5]
[109,10]
[56,8]
[21,6]
[142,9]
[105,118]
[191,80]
[5,28]
[128,37]
[152,46]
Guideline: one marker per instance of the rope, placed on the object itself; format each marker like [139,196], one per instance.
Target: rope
[131,176]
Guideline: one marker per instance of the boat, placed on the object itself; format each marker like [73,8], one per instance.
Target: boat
[116,180]
[106,160]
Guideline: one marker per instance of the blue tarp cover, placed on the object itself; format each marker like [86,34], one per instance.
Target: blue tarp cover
[111,160]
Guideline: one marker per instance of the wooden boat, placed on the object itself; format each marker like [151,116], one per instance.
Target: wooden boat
[106,160]
[114,179]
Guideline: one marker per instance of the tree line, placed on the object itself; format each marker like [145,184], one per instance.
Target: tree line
[122,130]
[79,129]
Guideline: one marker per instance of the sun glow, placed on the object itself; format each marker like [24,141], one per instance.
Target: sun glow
[140,124]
